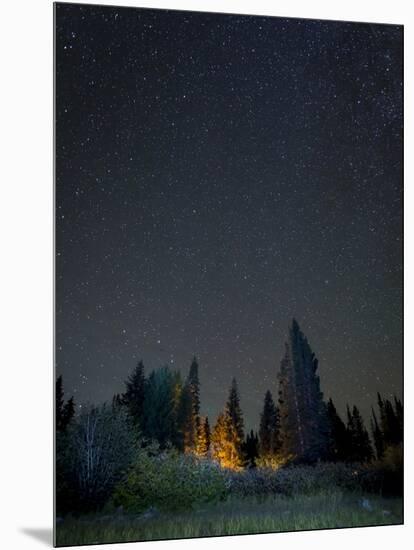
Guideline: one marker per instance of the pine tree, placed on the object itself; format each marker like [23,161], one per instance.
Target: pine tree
[189,411]
[304,427]
[159,413]
[381,412]
[224,441]
[68,411]
[399,413]
[177,393]
[64,412]
[338,435]
[390,421]
[194,384]
[59,404]
[269,439]
[185,420]
[360,445]
[228,433]
[204,438]
[219,440]
[234,411]
[134,395]
[235,425]
[393,435]
[377,436]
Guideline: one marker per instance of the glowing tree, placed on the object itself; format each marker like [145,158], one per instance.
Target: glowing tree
[228,433]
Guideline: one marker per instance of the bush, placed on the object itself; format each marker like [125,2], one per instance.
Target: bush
[272,461]
[92,457]
[385,476]
[294,480]
[169,481]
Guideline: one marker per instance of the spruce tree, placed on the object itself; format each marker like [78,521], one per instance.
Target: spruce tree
[68,411]
[234,412]
[269,440]
[194,384]
[134,395]
[235,424]
[360,445]
[399,413]
[338,435]
[377,436]
[228,433]
[390,421]
[304,427]
[177,392]
[226,448]
[59,403]
[393,436]
[185,420]
[64,412]
[159,413]
[189,411]
[219,441]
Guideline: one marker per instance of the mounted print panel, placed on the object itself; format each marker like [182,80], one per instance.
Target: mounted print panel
[228,274]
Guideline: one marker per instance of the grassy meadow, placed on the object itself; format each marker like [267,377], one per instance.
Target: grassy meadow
[235,516]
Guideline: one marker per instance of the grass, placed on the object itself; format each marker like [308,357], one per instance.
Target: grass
[234,517]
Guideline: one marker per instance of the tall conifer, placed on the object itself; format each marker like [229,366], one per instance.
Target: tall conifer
[338,435]
[303,416]
[134,394]
[360,445]
[269,439]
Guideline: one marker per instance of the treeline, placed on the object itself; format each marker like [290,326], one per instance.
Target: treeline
[300,428]
[104,449]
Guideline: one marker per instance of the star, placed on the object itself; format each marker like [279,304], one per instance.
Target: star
[205,196]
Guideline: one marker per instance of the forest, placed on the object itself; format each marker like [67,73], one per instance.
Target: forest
[150,457]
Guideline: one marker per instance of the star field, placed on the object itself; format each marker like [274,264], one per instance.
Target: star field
[217,175]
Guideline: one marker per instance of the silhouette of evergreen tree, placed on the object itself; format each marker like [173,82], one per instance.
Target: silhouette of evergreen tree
[359,442]
[388,430]
[390,420]
[338,435]
[234,411]
[377,436]
[185,420]
[159,411]
[194,384]
[64,412]
[399,414]
[188,416]
[134,395]
[269,437]
[304,426]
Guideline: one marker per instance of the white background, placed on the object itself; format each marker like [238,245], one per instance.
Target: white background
[26,252]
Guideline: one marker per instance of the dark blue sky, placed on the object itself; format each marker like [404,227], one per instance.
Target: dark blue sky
[217,175]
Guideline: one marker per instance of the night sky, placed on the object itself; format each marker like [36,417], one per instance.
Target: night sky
[217,175]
